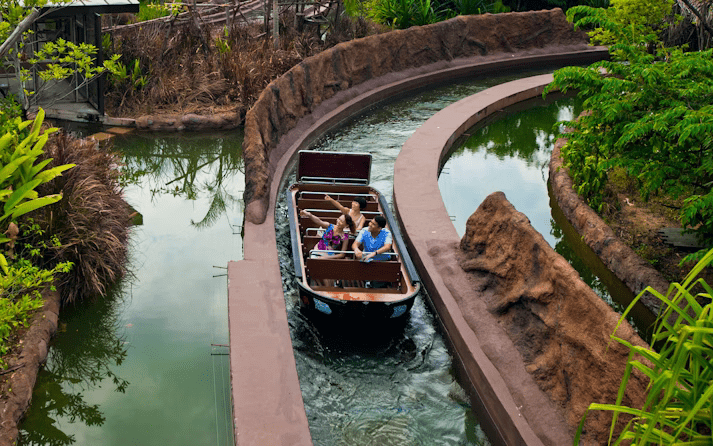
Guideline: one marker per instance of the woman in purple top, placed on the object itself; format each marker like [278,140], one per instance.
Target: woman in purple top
[334,238]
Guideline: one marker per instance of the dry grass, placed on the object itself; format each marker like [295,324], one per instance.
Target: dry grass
[91,220]
[187,76]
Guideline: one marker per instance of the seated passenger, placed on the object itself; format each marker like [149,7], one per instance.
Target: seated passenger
[374,240]
[358,205]
[334,238]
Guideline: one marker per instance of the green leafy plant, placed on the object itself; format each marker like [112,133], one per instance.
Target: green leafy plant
[222,43]
[20,297]
[153,10]
[55,60]
[679,400]
[21,173]
[649,112]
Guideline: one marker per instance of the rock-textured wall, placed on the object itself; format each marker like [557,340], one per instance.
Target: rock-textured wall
[631,269]
[558,324]
[318,78]
[19,379]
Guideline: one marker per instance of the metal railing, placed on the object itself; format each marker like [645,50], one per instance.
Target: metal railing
[391,255]
[334,180]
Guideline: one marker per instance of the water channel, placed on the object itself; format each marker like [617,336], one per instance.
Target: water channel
[147,366]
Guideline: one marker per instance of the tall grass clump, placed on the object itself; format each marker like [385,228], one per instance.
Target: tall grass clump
[679,404]
[91,223]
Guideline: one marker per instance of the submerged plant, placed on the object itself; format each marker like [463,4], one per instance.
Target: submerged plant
[679,401]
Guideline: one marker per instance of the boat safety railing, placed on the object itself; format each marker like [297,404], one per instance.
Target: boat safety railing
[320,231]
[333,194]
[334,180]
[391,255]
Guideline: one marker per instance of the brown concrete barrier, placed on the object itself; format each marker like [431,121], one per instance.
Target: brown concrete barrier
[372,61]
[297,108]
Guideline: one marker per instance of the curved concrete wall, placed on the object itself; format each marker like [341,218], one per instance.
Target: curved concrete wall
[299,107]
[511,401]
[416,194]
[369,62]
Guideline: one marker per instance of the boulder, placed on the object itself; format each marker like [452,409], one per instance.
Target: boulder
[560,327]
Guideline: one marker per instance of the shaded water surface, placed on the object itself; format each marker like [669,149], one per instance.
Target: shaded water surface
[139,368]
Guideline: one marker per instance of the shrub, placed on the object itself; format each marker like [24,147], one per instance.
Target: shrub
[91,222]
[20,298]
[650,115]
[679,401]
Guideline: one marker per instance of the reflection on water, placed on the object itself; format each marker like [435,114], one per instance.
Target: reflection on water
[89,346]
[186,168]
[510,152]
[145,365]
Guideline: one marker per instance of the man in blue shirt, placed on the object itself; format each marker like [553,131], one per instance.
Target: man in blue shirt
[375,240]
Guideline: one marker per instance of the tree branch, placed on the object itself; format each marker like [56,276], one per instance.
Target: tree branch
[17,32]
[698,14]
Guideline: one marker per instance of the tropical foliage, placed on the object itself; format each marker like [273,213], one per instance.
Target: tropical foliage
[401,14]
[21,173]
[649,113]
[679,401]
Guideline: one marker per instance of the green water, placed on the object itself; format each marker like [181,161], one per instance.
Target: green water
[138,367]
[141,367]
[510,153]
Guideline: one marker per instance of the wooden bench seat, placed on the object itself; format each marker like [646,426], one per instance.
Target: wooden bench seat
[348,269]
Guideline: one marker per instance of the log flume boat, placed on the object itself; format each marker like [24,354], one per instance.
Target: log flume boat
[345,288]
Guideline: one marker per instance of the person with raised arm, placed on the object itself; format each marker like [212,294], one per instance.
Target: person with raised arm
[357,205]
[334,237]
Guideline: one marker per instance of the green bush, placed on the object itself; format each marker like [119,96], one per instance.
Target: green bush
[679,401]
[20,294]
[149,10]
[21,172]
[650,114]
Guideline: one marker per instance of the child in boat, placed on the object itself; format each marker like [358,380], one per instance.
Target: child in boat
[334,237]
[358,205]
[375,240]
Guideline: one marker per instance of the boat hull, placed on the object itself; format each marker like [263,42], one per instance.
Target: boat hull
[341,289]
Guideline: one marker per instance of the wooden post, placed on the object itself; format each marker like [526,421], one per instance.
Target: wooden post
[276,23]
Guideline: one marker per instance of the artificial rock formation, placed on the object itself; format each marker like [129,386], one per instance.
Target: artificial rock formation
[560,327]
[319,78]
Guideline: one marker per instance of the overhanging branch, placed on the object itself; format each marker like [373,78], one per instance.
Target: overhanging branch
[18,31]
